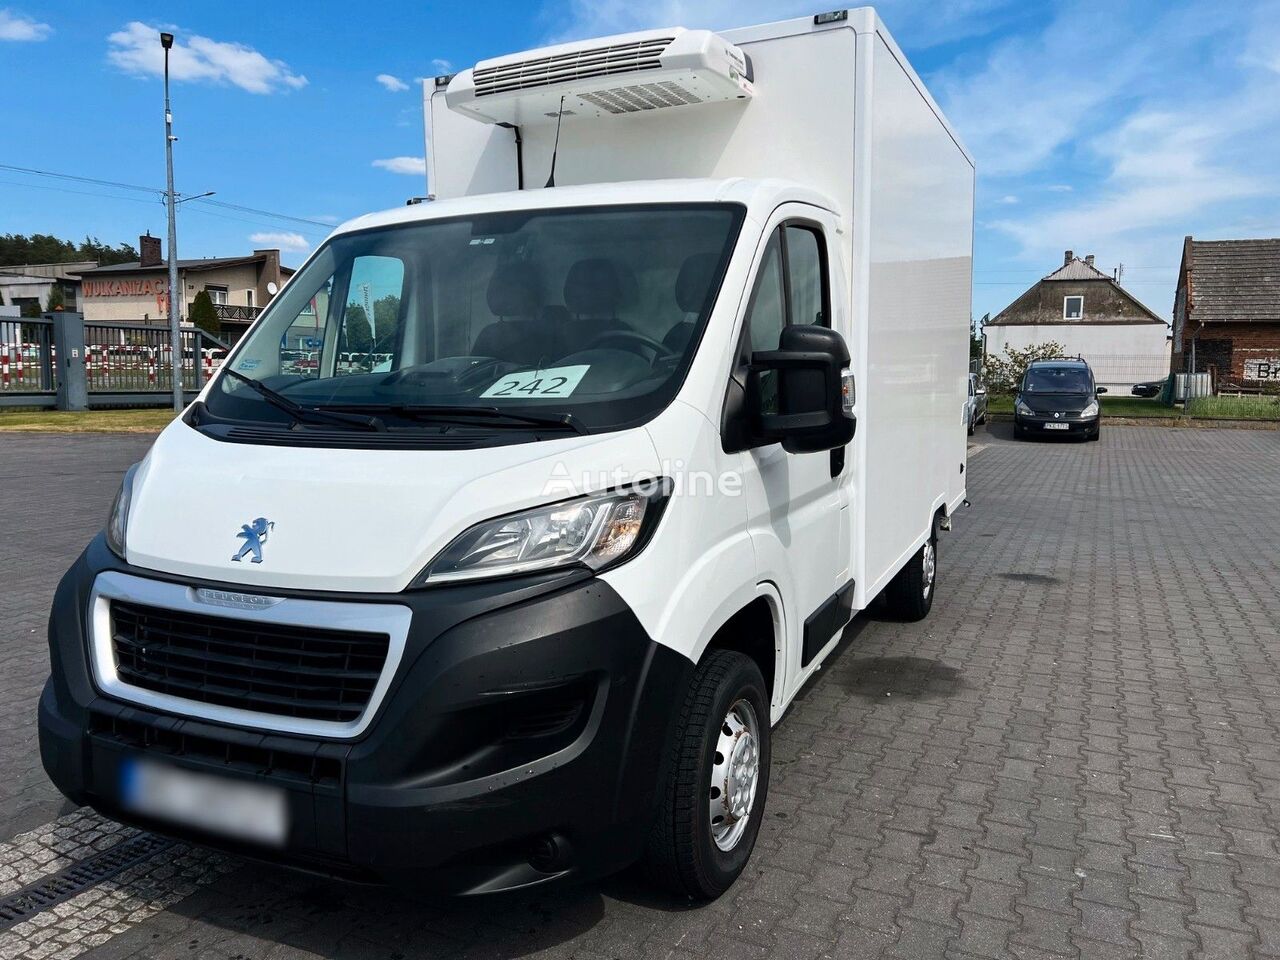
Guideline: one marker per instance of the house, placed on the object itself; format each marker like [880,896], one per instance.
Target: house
[28,285]
[1226,313]
[1091,316]
[139,291]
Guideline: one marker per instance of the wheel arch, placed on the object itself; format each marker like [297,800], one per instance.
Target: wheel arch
[757,630]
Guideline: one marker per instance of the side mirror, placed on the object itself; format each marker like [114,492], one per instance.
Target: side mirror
[982,391]
[1101,391]
[809,414]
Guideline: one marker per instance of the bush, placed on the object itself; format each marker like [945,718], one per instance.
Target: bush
[203,315]
[1004,373]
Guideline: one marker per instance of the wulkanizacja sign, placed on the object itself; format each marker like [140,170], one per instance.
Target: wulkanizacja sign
[124,288]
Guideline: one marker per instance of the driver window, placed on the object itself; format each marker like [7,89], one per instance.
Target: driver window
[767,314]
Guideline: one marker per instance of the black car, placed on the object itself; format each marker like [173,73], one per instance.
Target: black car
[1058,398]
[1152,388]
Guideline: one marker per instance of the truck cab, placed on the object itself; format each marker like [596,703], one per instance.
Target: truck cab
[513,582]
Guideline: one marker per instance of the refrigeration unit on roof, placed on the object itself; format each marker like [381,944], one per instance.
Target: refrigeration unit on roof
[626,74]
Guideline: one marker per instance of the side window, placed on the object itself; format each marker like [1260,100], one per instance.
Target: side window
[374,293]
[767,314]
[807,282]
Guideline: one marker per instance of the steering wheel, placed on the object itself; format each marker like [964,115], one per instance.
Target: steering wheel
[630,339]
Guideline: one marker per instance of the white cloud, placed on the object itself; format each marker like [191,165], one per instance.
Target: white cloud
[1059,188]
[326,217]
[21,28]
[1009,198]
[444,66]
[293,242]
[416,166]
[136,49]
[393,84]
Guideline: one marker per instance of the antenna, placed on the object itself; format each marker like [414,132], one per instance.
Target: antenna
[551,180]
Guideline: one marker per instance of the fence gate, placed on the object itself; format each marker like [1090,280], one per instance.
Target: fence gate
[125,364]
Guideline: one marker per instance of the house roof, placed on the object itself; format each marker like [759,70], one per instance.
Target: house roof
[1234,280]
[206,263]
[1075,270]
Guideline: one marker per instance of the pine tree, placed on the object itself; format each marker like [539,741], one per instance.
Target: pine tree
[203,315]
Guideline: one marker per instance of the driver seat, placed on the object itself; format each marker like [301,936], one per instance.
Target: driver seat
[593,292]
[693,287]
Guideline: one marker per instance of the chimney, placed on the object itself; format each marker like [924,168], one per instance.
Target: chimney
[1089,259]
[1068,257]
[149,250]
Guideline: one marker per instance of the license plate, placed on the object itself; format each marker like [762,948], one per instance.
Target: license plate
[231,808]
[1057,426]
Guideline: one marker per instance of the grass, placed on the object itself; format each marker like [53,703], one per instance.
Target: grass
[1235,408]
[1111,407]
[89,421]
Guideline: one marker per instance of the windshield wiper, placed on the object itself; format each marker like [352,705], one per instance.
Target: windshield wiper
[299,412]
[492,416]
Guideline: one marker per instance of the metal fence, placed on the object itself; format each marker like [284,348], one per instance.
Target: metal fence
[124,364]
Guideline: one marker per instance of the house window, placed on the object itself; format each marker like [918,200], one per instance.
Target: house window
[1072,308]
[248,297]
[217,294]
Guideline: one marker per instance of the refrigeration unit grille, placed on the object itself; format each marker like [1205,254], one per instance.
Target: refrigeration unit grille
[642,96]
[571,66]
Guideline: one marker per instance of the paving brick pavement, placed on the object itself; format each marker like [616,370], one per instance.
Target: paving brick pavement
[1076,755]
[56,491]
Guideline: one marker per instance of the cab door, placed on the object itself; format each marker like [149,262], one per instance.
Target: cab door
[798,504]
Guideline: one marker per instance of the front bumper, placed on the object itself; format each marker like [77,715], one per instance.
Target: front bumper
[1048,425]
[520,740]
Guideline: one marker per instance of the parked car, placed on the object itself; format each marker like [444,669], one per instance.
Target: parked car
[975,407]
[1058,397]
[1152,388]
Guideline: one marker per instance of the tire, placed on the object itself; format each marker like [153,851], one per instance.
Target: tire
[971,426]
[910,593]
[686,853]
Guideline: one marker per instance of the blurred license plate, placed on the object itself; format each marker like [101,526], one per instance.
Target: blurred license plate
[1057,426]
[232,808]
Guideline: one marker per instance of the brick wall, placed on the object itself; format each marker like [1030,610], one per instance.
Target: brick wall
[1223,349]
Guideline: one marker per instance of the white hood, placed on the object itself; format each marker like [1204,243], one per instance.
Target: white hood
[348,520]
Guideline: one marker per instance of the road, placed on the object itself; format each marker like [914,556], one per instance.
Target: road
[1077,754]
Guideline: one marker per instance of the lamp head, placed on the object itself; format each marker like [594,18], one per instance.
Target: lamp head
[166,40]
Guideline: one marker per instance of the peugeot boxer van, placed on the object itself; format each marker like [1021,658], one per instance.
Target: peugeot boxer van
[603,447]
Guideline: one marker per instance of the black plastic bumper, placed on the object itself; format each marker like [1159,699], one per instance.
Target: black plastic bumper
[1055,427]
[521,740]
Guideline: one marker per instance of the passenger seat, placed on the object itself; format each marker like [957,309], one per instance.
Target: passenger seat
[693,286]
[593,293]
[515,298]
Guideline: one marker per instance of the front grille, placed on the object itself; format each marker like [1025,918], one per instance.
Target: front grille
[310,673]
[576,65]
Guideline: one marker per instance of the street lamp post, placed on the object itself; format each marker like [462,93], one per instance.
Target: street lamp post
[175,332]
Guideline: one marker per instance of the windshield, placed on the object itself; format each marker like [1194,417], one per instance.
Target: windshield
[1057,380]
[591,312]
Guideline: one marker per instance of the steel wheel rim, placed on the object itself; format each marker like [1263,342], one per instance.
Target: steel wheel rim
[735,775]
[930,567]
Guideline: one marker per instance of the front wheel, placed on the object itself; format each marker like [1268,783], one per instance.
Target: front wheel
[910,593]
[717,780]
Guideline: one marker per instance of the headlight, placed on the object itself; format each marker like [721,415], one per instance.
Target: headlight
[595,531]
[1023,409]
[118,521]
[1089,411]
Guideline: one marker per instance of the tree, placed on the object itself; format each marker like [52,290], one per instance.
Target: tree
[203,315]
[55,301]
[1004,373]
[17,248]
[975,338]
[355,330]
[31,309]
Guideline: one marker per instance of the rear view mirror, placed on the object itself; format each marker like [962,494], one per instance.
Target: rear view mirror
[982,391]
[1101,391]
[810,414]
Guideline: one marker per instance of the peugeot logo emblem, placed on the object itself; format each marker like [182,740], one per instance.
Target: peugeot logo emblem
[254,536]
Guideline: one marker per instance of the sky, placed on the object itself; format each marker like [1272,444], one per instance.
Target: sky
[1112,129]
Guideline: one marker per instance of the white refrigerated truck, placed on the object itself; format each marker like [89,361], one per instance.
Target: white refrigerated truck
[603,447]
